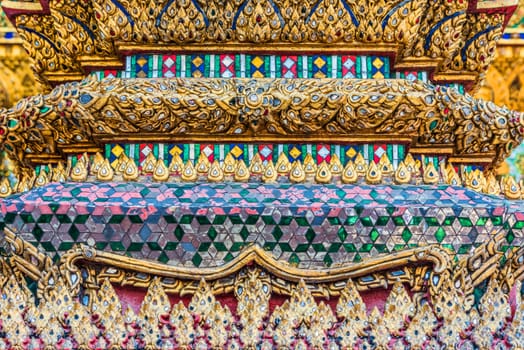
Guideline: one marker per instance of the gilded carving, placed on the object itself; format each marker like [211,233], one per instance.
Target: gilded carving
[437,314]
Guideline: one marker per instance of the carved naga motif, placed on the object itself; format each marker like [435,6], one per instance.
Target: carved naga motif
[80,112]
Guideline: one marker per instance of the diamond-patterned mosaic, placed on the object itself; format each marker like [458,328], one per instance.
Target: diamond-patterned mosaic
[208,224]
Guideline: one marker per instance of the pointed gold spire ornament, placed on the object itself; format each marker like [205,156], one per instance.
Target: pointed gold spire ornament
[241,172]
[323,175]
[121,163]
[59,173]
[25,184]
[177,165]
[149,164]
[79,172]
[5,188]
[256,167]
[385,166]
[230,165]
[474,180]
[189,173]
[41,179]
[161,171]
[349,175]
[360,165]
[511,188]
[402,174]
[283,166]
[203,164]
[451,176]
[297,173]
[310,167]
[131,172]
[410,163]
[105,172]
[430,176]
[335,166]
[270,173]
[98,160]
[492,186]
[215,172]
[373,175]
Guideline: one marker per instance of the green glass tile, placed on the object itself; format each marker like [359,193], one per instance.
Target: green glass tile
[416,220]
[449,246]
[269,246]
[48,246]
[221,247]
[481,221]
[448,221]
[212,233]
[518,225]
[285,220]
[301,248]
[327,260]
[197,259]
[381,248]
[154,246]
[366,221]
[440,234]
[351,220]
[277,233]
[382,221]
[373,235]
[100,245]
[398,247]
[38,233]
[43,219]
[219,219]
[73,232]
[339,66]
[293,259]
[366,248]
[228,257]
[310,235]
[65,246]
[302,221]
[357,258]
[237,246]
[496,220]
[406,235]
[179,233]
[170,219]
[135,219]
[28,218]
[251,219]
[358,67]
[465,222]
[268,220]
[318,247]
[398,220]
[510,237]
[155,150]
[204,246]
[116,219]
[171,246]
[334,221]
[186,219]
[203,220]
[431,221]
[464,249]
[108,150]
[350,247]
[342,234]
[163,258]
[117,246]
[334,247]
[244,233]
[299,67]
[135,247]
[285,247]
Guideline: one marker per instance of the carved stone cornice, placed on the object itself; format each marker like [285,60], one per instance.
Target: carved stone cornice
[453,39]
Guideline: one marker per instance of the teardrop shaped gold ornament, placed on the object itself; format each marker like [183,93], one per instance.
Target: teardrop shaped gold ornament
[323,175]
[310,167]
[79,172]
[105,173]
[149,164]
[297,173]
[98,160]
[177,165]
[256,167]
[373,175]
[360,165]
[492,186]
[349,175]
[474,180]
[241,172]
[189,173]
[230,165]
[203,165]
[451,176]
[121,163]
[283,166]
[131,172]
[59,173]
[511,188]
[5,188]
[41,179]
[335,166]
[215,173]
[161,172]
[402,174]
[385,166]
[430,176]
[270,173]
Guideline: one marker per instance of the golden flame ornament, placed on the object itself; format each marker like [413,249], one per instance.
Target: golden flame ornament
[283,166]
[511,188]
[177,165]
[230,164]
[430,176]
[297,173]
[98,160]
[105,173]
[189,173]
[131,172]
[161,171]
[215,173]
[256,167]
[5,188]
[79,172]
[385,166]
[203,165]
[323,175]
[451,176]
[149,164]
[349,175]
[373,175]
[270,173]
[402,174]
[310,167]
[335,166]
[360,165]
[241,172]
[41,179]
